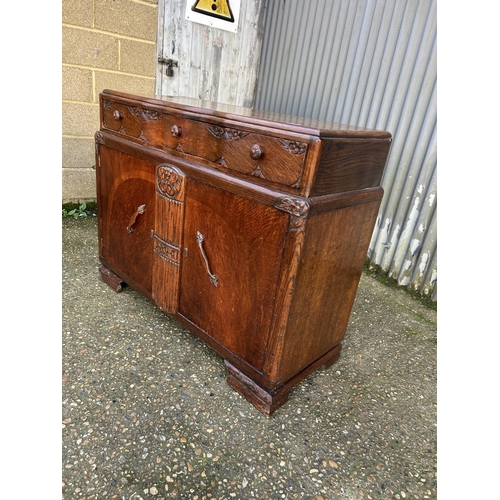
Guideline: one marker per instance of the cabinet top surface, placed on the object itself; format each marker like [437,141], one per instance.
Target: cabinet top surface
[241,114]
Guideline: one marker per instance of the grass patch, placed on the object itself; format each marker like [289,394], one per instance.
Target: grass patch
[381,276]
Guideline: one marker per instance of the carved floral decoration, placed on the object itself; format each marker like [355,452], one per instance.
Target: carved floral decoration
[296,207]
[230,133]
[147,114]
[169,181]
[293,147]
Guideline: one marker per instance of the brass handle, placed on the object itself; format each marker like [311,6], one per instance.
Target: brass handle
[256,152]
[140,210]
[213,278]
[117,115]
[175,130]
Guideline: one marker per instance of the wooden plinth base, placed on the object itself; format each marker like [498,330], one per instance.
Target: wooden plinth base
[110,278]
[268,401]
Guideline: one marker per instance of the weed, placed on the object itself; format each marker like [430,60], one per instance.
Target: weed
[77,211]
[382,277]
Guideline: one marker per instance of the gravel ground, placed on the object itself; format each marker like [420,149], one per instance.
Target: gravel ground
[146,412]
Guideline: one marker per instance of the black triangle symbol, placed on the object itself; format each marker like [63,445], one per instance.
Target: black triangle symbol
[215,8]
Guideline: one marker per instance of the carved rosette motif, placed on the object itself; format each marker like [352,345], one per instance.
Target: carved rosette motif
[107,104]
[169,181]
[295,148]
[297,208]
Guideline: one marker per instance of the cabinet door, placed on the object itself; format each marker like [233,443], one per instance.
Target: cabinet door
[229,276]
[126,206]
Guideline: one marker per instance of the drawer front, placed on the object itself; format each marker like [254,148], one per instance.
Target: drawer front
[271,158]
[279,160]
[274,159]
[133,121]
[191,137]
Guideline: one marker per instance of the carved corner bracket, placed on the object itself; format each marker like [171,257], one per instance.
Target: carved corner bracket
[99,141]
[99,137]
[298,209]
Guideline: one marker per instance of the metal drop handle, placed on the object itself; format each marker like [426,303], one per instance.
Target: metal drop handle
[140,210]
[213,278]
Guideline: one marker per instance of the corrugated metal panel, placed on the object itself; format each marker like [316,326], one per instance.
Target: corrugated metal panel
[369,63]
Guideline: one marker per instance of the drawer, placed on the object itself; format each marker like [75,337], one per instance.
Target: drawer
[275,159]
[278,160]
[191,137]
[133,121]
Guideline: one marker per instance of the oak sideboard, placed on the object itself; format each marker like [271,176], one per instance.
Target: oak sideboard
[249,228]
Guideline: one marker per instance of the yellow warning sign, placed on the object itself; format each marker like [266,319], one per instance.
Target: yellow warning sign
[215,8]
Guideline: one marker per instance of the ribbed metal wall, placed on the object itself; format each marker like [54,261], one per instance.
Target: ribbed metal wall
[370,63]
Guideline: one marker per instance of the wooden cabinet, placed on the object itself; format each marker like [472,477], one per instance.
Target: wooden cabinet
[249,228]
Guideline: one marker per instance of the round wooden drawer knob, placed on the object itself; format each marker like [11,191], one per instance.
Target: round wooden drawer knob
[256,152]
[175,130]
[117,115]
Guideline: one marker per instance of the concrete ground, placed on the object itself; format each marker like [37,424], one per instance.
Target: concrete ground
[146,412]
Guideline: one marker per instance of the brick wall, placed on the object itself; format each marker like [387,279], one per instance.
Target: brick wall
[105,44]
